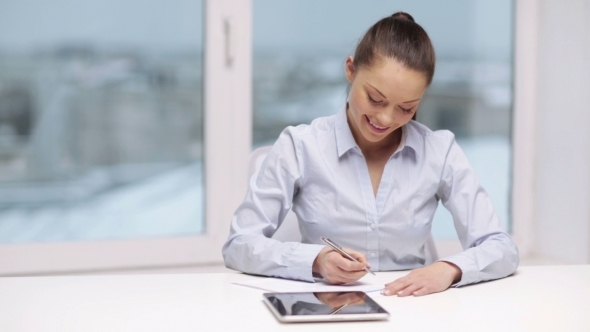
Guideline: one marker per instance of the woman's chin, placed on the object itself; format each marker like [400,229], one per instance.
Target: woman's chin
[375,138]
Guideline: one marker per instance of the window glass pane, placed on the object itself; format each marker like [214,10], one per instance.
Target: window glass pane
[100,120]
[299,53]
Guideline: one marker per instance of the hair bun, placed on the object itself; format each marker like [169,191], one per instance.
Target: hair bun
[403,16]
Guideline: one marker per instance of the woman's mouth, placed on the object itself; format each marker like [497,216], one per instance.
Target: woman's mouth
[376,128]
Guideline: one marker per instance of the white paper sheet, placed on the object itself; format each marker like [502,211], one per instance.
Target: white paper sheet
[284,286]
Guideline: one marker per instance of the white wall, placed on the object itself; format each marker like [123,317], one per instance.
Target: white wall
[562,167]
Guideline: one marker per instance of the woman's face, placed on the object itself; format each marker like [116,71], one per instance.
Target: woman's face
[383,98]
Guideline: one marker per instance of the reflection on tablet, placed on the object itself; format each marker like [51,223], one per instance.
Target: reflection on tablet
[323,303]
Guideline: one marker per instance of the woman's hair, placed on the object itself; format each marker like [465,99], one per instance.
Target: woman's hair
[398,37]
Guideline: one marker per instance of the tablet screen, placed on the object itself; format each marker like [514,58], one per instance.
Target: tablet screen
[323,303]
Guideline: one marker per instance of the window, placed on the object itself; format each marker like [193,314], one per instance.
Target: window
[101,131]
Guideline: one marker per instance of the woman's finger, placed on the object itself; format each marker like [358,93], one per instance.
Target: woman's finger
[346,264]
[422,291]
[335,275]
[350,276]
[358,256]
[350,266]
[409,290]
[395,286]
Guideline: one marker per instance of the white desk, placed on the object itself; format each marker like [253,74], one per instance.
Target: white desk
[555,298]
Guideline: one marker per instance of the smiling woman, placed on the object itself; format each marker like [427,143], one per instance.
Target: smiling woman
[375,121]
[389,74]
[387,85]
[380,176]
[298,76]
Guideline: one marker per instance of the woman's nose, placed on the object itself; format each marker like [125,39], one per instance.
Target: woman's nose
[385,117]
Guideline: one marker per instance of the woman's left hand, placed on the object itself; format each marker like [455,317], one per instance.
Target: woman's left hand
[434,278]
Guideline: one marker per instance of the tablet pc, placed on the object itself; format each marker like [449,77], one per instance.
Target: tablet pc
[324,306]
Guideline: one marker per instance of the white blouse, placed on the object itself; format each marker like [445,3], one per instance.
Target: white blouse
[319,171]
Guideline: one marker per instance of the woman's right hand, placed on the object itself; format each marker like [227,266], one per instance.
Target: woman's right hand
[337,269]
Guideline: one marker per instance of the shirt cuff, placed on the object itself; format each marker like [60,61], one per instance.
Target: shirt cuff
[301,261]
[469,272]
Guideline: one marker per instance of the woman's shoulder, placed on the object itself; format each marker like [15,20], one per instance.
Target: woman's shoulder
[430,144]
[318,127]
[295,139]
[422,131]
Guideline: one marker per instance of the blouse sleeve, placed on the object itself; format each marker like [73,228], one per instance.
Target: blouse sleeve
[489,252]
[249,247]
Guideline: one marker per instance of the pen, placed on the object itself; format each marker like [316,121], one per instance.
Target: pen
[338,309]
[342,252]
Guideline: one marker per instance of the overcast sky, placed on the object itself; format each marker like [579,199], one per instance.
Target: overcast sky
[459,28]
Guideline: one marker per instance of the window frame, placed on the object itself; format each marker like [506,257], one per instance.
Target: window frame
[524,115]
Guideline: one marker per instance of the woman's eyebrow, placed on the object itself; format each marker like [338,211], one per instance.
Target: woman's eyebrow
[379,92]
[382,95]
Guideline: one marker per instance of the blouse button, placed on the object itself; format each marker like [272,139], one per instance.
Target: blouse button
[373,226]
[373,254]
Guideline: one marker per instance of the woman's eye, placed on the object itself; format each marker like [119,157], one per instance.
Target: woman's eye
[374,101]
[406,110]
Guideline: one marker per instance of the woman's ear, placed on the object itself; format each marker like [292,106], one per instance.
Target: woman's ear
[349,67]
